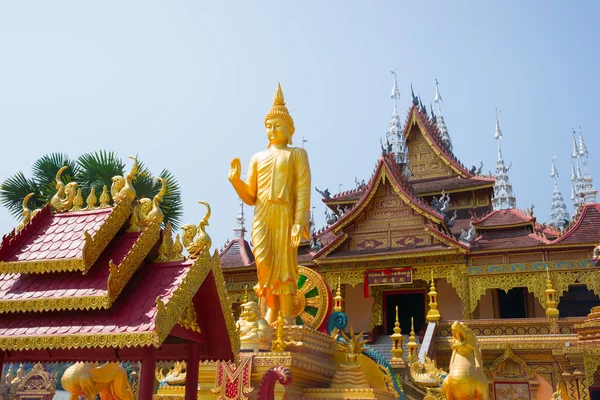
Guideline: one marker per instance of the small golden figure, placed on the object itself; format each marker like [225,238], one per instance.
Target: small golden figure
[278,185]
[255,333]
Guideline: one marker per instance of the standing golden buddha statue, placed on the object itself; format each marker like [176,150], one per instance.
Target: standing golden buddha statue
[278,185]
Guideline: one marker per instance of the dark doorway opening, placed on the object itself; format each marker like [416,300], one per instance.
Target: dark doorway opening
[595,393]
[411,303]
[577,301]
[513,304]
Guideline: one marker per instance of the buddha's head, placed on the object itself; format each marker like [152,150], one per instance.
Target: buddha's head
[278,122]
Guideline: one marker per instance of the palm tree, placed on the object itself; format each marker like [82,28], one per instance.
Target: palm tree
[89,170]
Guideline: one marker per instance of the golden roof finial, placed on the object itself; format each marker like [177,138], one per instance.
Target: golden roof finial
[91,199]
[104,198]
[337,300]
[551,310]
[412,343]
[397,340]
[245,299]
[433,315]
[77,201]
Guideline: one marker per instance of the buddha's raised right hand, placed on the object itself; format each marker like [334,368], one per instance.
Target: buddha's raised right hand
[235,170]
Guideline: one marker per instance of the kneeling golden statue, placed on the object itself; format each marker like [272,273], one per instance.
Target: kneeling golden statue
[89,380]
[466,379]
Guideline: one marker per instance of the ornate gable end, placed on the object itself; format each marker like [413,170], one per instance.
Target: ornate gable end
[423,160]
[388,221]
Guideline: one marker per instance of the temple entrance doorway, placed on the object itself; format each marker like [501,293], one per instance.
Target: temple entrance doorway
[411,303]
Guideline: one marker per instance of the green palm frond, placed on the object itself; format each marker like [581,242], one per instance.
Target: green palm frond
[146,185]
[14,189]
[44,172]
[98,168]
[172,205]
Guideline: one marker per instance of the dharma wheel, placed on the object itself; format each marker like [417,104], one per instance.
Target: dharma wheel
[312,300]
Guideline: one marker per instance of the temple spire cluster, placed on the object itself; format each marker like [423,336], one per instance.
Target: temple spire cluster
[441,124]
[559,216]
[503,193]
[396,143]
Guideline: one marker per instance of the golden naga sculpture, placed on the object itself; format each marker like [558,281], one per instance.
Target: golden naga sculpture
[466,379]
[89,380]
[278,185]
[255,333]
[148,210]
[65,194]
[122,187]
[195,244]
[174,377]
[26,213]
[429,376]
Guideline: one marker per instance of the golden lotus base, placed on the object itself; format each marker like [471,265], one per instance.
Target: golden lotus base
[350,394]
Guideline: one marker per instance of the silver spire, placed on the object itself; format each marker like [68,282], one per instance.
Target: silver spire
[240,229]
[587,183]
[576,176]
[503,193]
[394,136]
[441,123]
[559,216]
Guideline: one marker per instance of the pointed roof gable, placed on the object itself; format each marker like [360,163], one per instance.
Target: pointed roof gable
[427,226]
[236,254]
[429,160]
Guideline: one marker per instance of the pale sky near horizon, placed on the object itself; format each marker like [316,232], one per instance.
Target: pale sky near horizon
[186,86]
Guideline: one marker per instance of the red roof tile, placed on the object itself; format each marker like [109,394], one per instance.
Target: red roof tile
[586,228]
[16,287]
[504,218]
[58,234]
[134,311]
[236,254]
[507,239]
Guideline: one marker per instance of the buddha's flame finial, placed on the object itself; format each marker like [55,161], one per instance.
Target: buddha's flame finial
[278,98]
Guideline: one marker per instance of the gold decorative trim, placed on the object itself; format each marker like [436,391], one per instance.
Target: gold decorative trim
[226,308]
[68,342]
[94,246]
[506,226]
[453,251]
[55,304]
[189,319]
[122,273]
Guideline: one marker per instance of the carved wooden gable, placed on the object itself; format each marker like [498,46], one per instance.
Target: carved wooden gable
[387,221]
[423,160]
[512,378]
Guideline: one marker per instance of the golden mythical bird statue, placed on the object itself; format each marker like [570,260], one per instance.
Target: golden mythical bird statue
[195,244]
[148,210]
[65,194]
[89,380]
[122,187]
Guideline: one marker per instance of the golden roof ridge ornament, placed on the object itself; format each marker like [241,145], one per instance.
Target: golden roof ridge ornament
[77,201]
[91,200]
[65,194]
[146,210]
[122,187]
[26,213]
[104,198]
[196,244]
[168,251]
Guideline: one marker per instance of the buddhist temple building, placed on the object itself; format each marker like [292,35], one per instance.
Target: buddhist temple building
[422,223]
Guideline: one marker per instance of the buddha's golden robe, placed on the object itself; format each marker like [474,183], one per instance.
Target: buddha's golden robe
[281,181]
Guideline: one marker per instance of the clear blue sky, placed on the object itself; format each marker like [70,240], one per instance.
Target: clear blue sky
[186,85]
